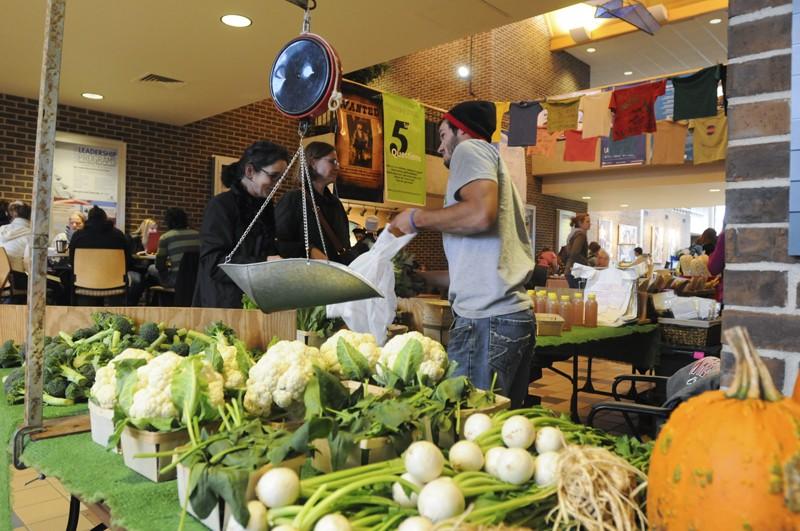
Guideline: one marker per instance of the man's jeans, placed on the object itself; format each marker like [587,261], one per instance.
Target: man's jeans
[502,344]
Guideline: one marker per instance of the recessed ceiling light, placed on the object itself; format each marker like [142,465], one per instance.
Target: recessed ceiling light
[591,50]
[713,189]
[628,73]
[236,21]
[463,72]
[715,21]
[624,205]
[586,197]
[92,96]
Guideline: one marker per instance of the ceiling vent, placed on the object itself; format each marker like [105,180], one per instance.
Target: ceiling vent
[161,80]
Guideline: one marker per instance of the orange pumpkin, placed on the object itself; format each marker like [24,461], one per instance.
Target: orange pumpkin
[729,460]
[796,392]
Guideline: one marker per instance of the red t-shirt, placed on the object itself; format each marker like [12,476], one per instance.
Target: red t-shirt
[633,109]
[579,149]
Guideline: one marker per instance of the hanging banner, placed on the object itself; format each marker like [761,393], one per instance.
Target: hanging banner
[404,150]
[359,147]
[630,150]
[87,172]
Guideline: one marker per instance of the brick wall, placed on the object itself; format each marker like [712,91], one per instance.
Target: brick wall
[166,165]
[509,63]
[761,281]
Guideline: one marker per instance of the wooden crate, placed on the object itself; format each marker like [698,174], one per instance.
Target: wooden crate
[255,328]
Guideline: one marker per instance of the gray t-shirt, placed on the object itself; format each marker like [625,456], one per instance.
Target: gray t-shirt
[487,270]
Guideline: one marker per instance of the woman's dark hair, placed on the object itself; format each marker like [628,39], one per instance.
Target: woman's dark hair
[96,215]
[638,251]
[709,237]
[176,218]
[314,152]
[594,247]
[18,209]
[261,154]
[578,219]
[4,219]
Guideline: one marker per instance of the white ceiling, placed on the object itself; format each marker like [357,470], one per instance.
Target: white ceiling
[643,187]
[109,45]
[686,45]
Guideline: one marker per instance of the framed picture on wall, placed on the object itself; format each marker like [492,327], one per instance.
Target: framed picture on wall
[218,162]
[604,234]
[530,223]
[657,244]
[563,220]
[628,234]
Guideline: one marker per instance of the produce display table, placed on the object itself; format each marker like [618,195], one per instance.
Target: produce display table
[91,473]
[634,344]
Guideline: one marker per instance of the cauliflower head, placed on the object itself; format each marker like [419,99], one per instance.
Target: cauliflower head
[434,357]
[104,389]
[234,379]
[153,395]
[216,385]
[280,377]
[364,343]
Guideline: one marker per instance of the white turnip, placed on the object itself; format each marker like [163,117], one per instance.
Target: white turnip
[492,457]
[278,487]
[518,432]
[424,461]
[466,455]
[399,494]
[258,518]
[332,522]
[549,439]
[515,466]
[416,523]
[476,424]
[546,469]
[440,499]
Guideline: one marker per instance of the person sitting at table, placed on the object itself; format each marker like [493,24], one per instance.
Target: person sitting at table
[324,169]
[639,256]
[591,258]
[138,239]
[99,233]
[227,216]
[75,223]
[178,240]
[15,239]
[602,259]
[547,258]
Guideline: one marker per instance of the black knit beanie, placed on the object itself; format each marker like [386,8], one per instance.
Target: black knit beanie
[478,119]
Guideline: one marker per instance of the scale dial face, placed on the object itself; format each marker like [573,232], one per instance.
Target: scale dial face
[303,76]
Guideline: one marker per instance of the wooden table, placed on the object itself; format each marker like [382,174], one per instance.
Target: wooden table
[637,345]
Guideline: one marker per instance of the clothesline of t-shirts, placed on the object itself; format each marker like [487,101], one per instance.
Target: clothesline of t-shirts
[666,107]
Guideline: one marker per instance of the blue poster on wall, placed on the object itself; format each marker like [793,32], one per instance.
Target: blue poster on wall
[665,104]
[629,150]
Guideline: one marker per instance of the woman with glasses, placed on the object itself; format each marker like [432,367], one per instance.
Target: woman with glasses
[324,169]
[227,216]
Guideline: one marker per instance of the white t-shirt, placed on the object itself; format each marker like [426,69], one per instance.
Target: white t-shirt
[488,270]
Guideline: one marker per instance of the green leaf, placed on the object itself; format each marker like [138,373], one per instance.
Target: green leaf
[126,383]
[308,470]
[452,389]
[201,495]
[341,445]
[300,441]
[393,414]
[354,365]
[186,388]
[230,485]
[272,342]
[243,358]
[408,361]
[324,391]
[214,357]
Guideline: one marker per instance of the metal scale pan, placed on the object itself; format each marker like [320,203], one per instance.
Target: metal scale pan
[304,80]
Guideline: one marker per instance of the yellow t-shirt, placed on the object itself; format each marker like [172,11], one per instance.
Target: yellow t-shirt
[710,138]
[501,108]
[596,114]
[562,115]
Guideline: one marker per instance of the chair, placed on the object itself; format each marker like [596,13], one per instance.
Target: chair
[182,293]
[9,289]
[99,273]
[693,379]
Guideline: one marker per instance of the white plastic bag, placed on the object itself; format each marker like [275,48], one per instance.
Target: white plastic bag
[374,315]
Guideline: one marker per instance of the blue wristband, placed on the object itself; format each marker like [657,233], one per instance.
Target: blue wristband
[411,219]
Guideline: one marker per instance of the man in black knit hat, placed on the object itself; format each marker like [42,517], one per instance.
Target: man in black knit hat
[488,253]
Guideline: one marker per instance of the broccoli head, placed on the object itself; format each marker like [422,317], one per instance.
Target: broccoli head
[218,327]
[58,363]
[113,321]
[132,341]
[197,346]
[56,387]
[10,355]
[85,333]
[181,349]
[97,354]
[75,392]
[149,332]
[14,386]
[88,371]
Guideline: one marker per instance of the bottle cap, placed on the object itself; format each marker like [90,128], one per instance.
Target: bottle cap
[592,296]
[579,296]
[552,296]
[565,298]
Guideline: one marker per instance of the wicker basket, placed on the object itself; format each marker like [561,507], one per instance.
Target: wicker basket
[699,334]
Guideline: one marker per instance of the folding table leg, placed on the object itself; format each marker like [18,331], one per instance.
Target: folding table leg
[74,513]
[573,403]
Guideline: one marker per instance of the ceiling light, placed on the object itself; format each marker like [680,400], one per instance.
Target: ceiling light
[463,72]
[586,197]
[92,96]
[591,50]
[624,205]
[715,21]
[628,73]
[713,189]
[236,21]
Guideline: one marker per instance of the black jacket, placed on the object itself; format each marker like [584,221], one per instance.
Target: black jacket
[289,226]
[224,221]
[102,235]
[578,249]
